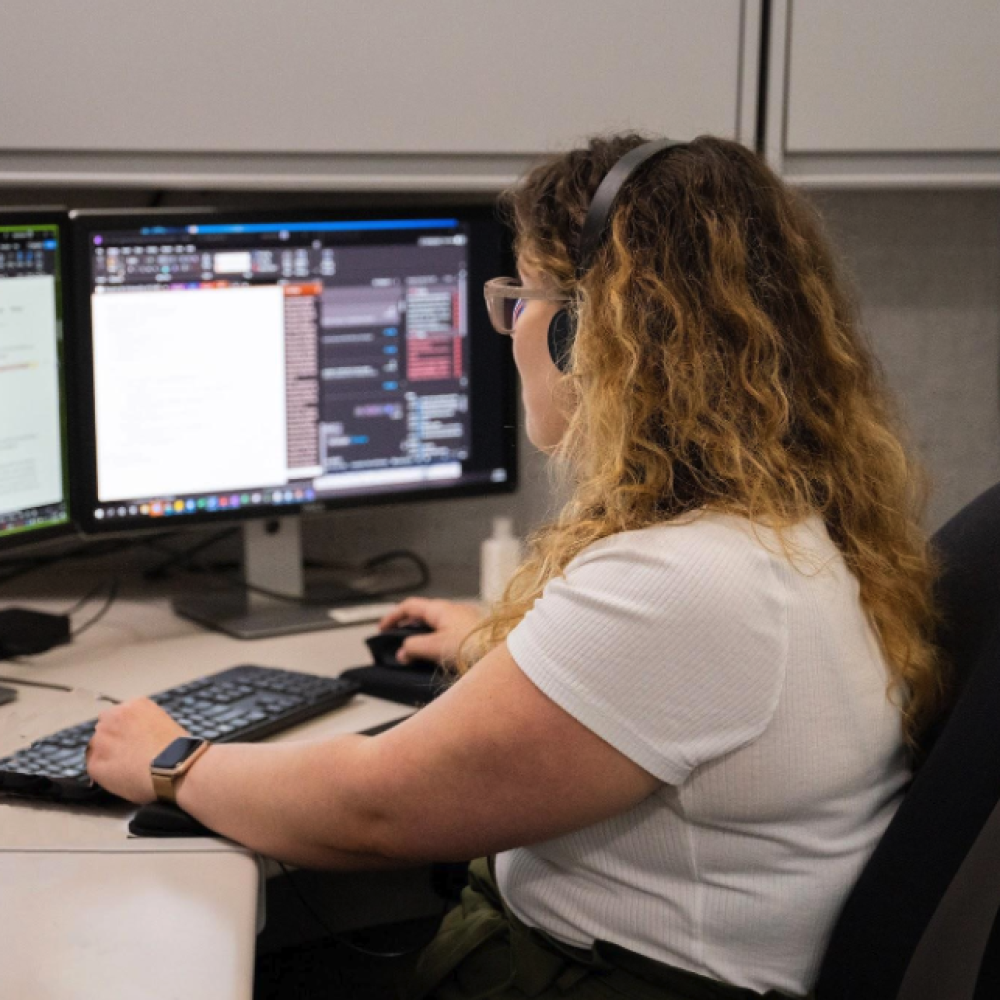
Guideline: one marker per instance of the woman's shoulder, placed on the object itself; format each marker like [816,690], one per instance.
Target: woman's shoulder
[705,537]
[710,560]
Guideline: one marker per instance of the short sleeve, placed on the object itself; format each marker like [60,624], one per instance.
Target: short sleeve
[669,643]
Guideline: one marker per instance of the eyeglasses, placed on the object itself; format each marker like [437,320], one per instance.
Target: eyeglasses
[506,298]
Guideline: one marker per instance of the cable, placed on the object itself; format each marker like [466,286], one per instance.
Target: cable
[182,560]
[29,566]
[105,608]
[83,600]
[24,566]
[396,554]
[408,554]
[176,558]
[340,938]
[354,592]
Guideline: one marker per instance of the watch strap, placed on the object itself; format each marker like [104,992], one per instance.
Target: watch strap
[165,779]
[163,786]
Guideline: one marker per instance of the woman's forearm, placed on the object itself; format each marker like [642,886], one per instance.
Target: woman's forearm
[305,803]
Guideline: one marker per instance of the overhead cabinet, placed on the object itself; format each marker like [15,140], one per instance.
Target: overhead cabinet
[343,93]
[902,92]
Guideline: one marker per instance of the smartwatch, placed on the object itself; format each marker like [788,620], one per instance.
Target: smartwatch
[173,763]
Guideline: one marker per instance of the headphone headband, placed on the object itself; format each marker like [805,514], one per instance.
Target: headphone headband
[562,328]
[603,203]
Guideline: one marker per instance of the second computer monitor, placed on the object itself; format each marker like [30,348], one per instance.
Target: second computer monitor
[238,365]
[33,502]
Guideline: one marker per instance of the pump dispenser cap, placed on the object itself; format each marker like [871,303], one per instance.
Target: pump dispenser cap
[503,527]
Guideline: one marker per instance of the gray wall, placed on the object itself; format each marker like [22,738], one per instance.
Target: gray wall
[926,268]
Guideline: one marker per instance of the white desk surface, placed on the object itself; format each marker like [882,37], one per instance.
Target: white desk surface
[84,909]
[158,925]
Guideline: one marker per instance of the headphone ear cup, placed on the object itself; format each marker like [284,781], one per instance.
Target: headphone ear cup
[562,330]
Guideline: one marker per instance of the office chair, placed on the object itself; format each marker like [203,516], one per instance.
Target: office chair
[920,924]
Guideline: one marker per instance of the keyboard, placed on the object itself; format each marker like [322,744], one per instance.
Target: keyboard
[240,704]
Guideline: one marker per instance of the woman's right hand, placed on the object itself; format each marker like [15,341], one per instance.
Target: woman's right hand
[451,622]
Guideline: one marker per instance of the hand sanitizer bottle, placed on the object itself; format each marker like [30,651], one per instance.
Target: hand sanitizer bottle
[499,557]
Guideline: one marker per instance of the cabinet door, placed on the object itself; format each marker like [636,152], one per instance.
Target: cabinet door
[363,78]
[895,88]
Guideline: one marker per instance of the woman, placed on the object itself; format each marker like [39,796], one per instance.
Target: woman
[687,723]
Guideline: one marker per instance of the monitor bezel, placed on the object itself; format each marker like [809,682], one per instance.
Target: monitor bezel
[47,216]
[83,450]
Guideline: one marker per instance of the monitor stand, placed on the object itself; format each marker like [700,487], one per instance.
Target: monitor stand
[272,561]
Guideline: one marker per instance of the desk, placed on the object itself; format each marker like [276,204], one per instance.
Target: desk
[125,898]
[128,922]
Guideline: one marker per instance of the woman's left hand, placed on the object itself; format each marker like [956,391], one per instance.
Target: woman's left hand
[127,739]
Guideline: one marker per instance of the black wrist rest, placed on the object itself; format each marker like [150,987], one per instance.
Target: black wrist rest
[407,687]
[161,819]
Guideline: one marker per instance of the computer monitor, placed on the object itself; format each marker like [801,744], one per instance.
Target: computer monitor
[33,501]
[252,366]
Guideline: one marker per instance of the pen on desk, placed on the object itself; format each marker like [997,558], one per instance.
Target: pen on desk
[57,687]
[37,684]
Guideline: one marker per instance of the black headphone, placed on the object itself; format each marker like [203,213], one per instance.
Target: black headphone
[562,328]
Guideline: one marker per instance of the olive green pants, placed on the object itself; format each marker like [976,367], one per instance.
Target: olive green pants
[482,950]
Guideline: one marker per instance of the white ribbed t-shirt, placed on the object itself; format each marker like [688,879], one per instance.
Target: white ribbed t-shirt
[754,688]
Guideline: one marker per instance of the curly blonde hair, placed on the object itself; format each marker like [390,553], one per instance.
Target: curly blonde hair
[718,365]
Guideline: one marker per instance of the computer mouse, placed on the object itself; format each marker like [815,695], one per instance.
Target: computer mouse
[385,644]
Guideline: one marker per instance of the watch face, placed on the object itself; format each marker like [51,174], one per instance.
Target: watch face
[177,752]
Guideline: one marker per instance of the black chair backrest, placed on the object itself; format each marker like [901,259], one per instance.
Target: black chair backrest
[950,800]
